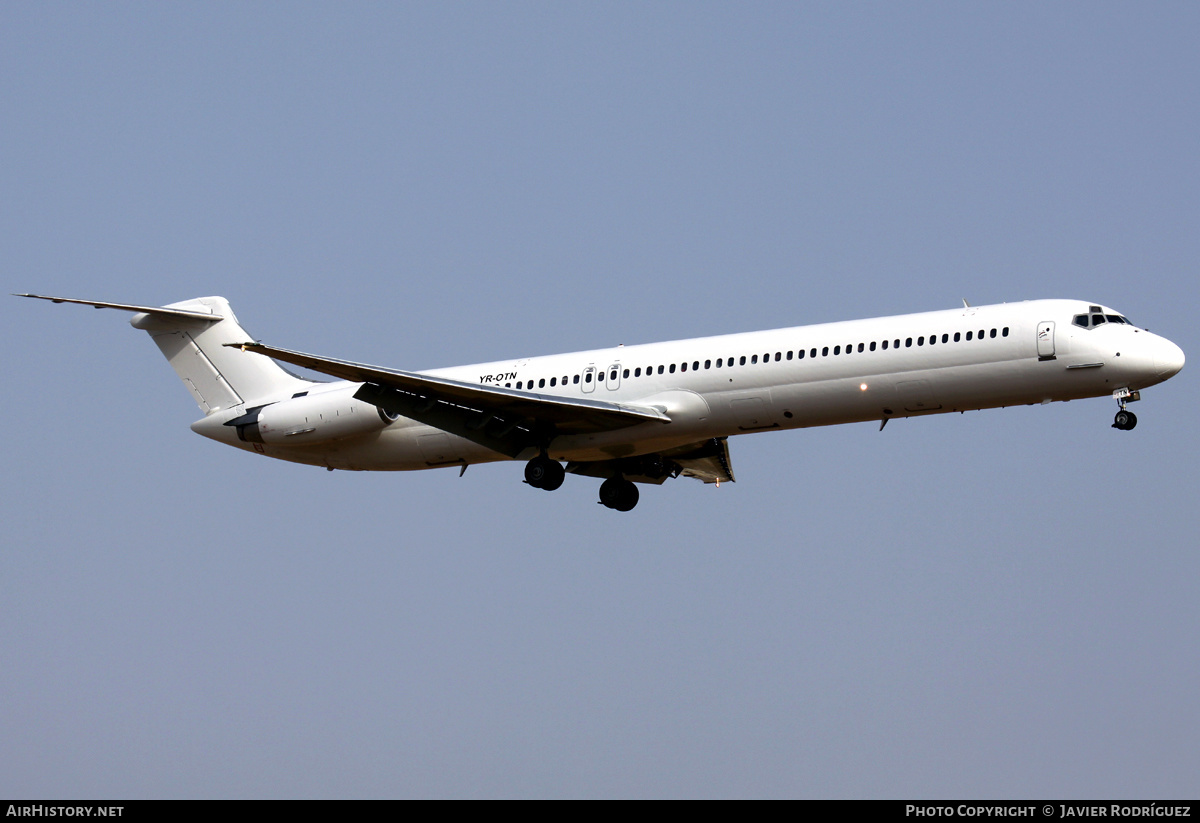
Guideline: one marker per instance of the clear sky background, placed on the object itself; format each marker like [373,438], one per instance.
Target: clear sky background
[996,604]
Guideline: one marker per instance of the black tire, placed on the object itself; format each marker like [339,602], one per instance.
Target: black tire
[1125,420]
[619,494]
[629,497]
[536,472]
[555,473]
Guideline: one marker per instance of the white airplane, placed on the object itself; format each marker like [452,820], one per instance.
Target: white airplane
[641,414]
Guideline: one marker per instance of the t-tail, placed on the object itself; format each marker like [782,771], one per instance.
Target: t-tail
[193,336]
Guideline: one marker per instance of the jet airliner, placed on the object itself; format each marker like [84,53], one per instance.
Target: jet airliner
[645,413]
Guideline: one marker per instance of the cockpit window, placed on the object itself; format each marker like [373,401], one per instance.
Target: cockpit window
[1085,321]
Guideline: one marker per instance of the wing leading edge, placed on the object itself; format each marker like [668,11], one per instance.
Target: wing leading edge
[505,420]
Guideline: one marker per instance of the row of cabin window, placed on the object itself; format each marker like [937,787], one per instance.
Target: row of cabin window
[799,355]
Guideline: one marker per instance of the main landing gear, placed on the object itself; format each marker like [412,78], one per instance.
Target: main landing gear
[543,473]
[618,493]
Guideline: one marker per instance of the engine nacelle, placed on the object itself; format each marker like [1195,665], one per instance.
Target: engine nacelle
[311,418]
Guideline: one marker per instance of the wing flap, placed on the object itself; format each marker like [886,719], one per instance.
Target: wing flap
[708,461]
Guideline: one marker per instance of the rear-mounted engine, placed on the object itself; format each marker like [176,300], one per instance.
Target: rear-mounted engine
[306,418]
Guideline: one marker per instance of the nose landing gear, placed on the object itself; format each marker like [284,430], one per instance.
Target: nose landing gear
[1125,420]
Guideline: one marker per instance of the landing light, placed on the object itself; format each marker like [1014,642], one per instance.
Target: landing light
[862,386]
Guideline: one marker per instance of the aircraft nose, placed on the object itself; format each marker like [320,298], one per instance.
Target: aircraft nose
[1168,358]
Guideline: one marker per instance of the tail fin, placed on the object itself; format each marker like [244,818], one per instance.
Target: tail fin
[219,377]
[192,336]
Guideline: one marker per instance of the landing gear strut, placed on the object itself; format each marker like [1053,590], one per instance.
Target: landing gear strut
[618,493]
[543,473]
[1125,420]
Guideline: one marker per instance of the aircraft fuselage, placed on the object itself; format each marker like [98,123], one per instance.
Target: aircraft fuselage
[846,372]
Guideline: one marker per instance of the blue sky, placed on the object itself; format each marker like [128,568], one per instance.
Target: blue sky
[996,604]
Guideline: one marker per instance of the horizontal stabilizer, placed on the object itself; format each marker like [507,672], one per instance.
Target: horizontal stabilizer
[157,311]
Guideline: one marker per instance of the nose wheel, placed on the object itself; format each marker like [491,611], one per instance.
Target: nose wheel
[1125,420]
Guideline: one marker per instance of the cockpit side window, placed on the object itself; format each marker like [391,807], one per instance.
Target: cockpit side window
[1097,319]
[1080,320]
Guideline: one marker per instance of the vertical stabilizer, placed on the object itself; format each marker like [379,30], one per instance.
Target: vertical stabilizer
[217,376]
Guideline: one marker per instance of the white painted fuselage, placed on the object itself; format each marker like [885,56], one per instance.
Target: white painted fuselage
[713,387]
